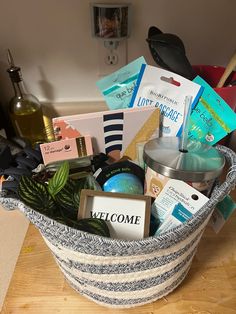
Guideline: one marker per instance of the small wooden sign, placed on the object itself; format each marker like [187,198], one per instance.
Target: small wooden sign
[127,215]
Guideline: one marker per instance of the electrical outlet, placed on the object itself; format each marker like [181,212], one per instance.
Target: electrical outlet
[110,60]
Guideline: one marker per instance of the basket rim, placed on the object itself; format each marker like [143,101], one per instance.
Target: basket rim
[201,215]
[217,195]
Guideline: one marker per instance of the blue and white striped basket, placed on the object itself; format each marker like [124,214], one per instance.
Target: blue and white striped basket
[123,274]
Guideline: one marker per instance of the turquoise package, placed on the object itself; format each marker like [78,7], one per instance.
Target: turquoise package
[212,118]
[117,88]
[222,213]
[179,215]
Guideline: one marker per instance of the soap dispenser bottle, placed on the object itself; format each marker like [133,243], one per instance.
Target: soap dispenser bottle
[25,110]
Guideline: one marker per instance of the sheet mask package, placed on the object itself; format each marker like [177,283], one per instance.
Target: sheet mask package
[176,203]
[167,91]
[212,118]
[117,88]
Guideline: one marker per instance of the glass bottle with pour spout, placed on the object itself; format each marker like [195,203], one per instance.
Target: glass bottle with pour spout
[24,109]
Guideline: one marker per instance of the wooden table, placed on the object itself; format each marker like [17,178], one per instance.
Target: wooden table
[38,286]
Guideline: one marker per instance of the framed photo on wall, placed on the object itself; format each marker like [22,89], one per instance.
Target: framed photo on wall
[127,215]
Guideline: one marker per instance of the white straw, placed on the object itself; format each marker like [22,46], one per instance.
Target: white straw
[184,136]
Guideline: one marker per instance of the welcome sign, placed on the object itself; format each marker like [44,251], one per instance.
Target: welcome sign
[127,216]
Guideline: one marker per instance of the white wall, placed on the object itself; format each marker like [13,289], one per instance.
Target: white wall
[51,40]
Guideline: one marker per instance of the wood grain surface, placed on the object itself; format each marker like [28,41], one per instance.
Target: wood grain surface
[38,286]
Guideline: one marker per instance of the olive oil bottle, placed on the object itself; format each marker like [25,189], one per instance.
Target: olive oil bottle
[25,110]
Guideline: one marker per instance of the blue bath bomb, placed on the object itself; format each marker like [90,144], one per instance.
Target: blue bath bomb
[124,183]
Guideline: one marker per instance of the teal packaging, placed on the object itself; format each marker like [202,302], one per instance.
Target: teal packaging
[212,118]
[222,213]
[117,88]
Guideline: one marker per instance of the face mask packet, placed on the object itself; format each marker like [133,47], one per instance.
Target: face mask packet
[117,88]
[212,118]
[208,131]
[166,90]
[175,204]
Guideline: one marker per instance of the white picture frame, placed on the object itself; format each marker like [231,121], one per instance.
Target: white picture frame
[127,215]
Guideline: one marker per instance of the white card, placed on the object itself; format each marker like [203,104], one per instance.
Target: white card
[165,90]
[176,203]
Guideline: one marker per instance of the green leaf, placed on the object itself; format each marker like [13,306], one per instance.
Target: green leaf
[65,199]
[68,199]
[58,181]
[35,195]
[92,225]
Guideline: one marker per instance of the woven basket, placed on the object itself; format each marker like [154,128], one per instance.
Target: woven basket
[122,274]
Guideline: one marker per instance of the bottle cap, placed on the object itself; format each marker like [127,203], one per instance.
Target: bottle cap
[13,71]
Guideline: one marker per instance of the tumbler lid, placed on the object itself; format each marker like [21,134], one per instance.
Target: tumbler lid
[200,163]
